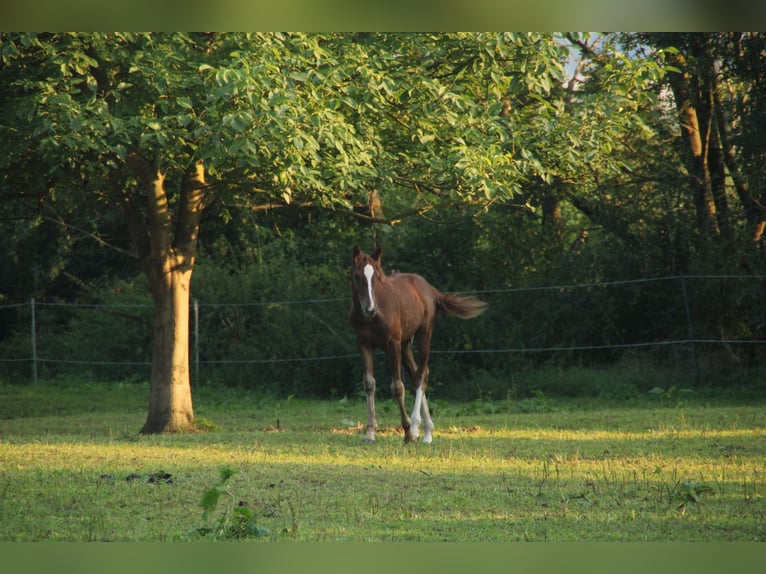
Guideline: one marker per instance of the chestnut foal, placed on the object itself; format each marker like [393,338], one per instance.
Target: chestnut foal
[389,312]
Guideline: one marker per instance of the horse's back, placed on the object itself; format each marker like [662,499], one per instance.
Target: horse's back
[412,284]
[417,298]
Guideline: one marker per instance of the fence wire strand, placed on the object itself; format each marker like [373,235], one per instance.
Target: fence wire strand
[352,354]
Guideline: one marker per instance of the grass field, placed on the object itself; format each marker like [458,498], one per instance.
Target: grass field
[72,467]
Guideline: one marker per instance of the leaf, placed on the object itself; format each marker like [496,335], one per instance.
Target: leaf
[244,512]
[226,473]
[692,492]
[185,102]
[257,531]
[240,122]
[210,500]
[426,138]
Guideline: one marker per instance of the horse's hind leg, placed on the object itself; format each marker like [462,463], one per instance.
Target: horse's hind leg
[421,410]
[420,380]
[397,389]
[428,423]
[412,370]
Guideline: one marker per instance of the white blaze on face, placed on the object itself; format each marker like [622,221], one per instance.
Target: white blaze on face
[369,271]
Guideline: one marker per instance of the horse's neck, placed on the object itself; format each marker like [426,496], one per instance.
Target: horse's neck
[382,282]
[388,291]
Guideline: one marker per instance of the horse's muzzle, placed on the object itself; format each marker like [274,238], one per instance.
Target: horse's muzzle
[369,313]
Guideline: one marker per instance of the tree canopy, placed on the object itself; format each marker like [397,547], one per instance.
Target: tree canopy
[539,152]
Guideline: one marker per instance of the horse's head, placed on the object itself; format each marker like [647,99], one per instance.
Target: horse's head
[365,273]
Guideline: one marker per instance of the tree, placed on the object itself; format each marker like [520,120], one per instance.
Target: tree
[165,125]
[140,121]
[716,85]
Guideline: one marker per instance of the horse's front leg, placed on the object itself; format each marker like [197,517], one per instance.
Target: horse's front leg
[369,389]
[397,389]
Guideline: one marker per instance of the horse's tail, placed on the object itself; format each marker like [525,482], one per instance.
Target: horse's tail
[463,306]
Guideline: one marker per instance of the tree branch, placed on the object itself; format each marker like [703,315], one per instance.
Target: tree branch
[97,238]
[153,182]
[191,206]
[134,216]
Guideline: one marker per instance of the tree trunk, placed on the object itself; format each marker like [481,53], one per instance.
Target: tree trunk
[718,186]
[754,211]
[695,130]
[170,398]
[167,258]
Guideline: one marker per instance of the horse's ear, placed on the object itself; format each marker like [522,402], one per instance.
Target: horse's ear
[357,251]
[378,251]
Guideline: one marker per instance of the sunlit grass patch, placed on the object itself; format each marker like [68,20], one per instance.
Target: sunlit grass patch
[599,472]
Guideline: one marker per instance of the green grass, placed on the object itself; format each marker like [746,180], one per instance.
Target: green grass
[72,467]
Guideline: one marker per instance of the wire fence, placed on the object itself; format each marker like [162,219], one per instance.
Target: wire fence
[682,312]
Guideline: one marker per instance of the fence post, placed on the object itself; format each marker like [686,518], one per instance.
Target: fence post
[34,342]
[196,342]
[690,330]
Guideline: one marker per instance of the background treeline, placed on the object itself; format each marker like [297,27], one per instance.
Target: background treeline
[264,319]
[671,185]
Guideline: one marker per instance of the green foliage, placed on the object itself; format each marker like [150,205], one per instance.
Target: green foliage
[289,305]
[691,493]
[680,493]
[671,395]
[496,170]
[111,331]
[235,522]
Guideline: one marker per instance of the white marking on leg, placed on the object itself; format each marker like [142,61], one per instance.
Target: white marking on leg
[415,418]
[428,423]
[369,271]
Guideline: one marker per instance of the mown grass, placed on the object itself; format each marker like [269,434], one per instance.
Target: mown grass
[72,467]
